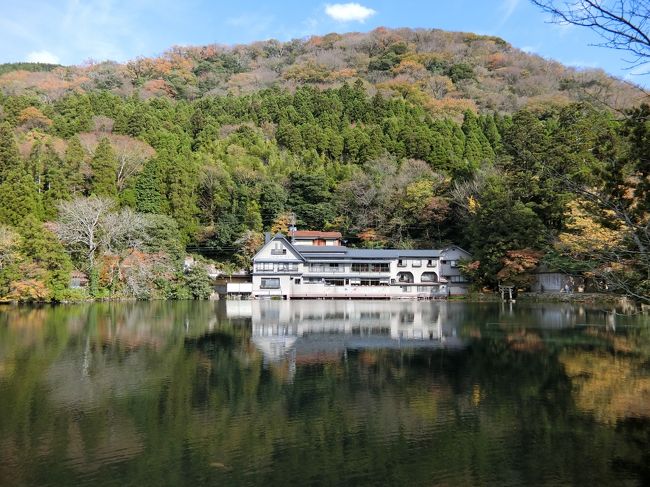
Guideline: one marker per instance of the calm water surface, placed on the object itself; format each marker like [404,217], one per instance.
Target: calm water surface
[323,393]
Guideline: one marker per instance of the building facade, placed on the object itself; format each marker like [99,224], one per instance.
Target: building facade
[302,270]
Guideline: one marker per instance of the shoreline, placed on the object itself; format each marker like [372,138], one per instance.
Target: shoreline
[558,297]
[475,297]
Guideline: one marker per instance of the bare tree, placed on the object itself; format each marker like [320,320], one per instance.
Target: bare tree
[90,226]
[139,270]
[124,230]
[80,224]
[623,24]
[131,154]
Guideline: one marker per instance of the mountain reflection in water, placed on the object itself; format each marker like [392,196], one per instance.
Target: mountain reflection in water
[323,393]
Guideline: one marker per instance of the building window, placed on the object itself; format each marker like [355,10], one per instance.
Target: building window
[297,281]
[325,268]
[404,277]
[334,282]
[406,289]
[278,249]
[429,277]
[401,263]
[416,263]
[431,263]
[376,267]
[453,263]
[371,282]
[406,317]
[458,279]
[264,266]
[287,267]
[270,283]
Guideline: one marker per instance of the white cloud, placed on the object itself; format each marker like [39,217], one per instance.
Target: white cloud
[42,57]
[632,74]
[508,7]
[581,64]
[560,26]
[348,12]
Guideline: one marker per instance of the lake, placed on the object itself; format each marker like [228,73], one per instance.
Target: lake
[323,393]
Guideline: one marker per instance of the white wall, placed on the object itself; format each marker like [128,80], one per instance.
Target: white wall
[289,288]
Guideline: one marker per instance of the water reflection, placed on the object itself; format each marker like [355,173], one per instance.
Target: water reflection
[306,331]
[323,392]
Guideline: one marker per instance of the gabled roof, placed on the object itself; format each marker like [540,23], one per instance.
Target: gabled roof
[313,252]
[450,247]
[321,249]
[279,237]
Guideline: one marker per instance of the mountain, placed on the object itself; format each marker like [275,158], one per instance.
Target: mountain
[448,72]
[396,138]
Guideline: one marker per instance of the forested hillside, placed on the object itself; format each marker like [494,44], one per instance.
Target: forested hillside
[447,72]
[405,138]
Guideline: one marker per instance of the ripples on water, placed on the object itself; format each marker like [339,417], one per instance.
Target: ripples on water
[323,393]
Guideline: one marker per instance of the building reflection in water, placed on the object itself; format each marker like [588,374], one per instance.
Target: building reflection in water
[323,331]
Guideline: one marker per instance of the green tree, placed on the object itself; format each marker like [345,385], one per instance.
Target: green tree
[198,282]
[42,248]
[9,156]
[150,187]
[532,170]
[288,136]
[55,184]
[501,224]
[273,199]
[310,199]
[10,258]
[72,165]
[74,115]
[163,235]
[104,166]
[491,131]
[181,193]
[477,147]
[19,198]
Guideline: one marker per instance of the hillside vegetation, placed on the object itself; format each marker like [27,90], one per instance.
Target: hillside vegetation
[405,138]
[446,71]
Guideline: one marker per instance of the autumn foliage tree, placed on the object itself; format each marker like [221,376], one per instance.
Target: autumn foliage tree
[517,266]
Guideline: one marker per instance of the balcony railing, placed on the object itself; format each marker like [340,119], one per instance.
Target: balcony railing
[329,270]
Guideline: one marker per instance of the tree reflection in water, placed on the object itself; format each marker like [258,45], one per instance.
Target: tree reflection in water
[247,393]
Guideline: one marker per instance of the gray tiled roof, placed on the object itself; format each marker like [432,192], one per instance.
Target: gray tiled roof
[337,249]
[310,252]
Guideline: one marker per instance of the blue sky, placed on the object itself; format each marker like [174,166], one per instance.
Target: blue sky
[72,31]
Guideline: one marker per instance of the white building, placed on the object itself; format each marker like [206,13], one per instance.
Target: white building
[316,265]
